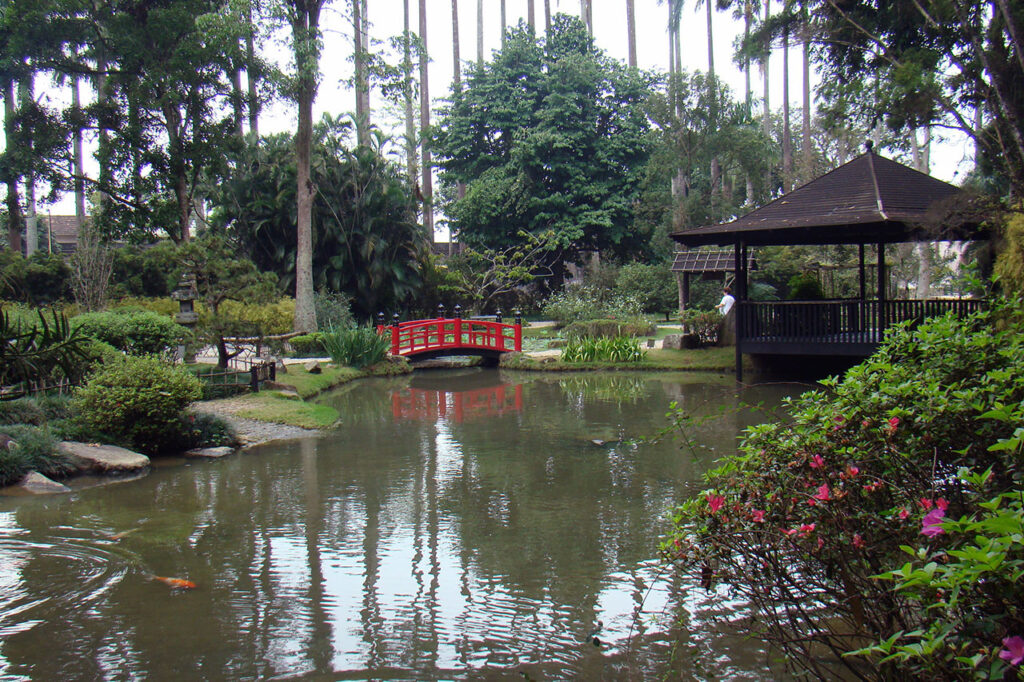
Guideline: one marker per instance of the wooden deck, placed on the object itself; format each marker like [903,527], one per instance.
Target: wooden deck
[838,327]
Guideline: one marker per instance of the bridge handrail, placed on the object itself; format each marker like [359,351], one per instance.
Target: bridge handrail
[419,336]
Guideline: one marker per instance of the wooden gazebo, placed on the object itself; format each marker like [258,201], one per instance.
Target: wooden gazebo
[870,200]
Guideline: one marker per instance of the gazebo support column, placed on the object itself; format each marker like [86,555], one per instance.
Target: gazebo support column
[741,297]
[882,276]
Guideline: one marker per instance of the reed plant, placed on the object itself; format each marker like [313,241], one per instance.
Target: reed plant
[616,349]
[358,347]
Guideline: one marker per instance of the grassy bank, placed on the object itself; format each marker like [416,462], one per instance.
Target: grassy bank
[657,359]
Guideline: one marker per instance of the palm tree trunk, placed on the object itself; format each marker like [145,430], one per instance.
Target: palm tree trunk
[631,31]
[503,24]
[79,159]
[547,17]
[531,16]
[787,138]
[425,168]
[407,87]
[480,33]
[807,170]
[766,112]
[251,72]
[361,78]
[15,221]
[456,61]
[31,220]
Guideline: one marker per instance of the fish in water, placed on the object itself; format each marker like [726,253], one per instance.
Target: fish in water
[174,583]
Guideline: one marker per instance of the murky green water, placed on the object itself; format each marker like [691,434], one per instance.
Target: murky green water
[459,525]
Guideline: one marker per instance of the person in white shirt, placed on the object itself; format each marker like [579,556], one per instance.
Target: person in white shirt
[725,305]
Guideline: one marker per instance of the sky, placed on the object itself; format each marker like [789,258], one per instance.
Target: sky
[950,158]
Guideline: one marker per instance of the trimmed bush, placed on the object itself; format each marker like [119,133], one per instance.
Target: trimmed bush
[138,400]
[358,348]
[308,345]
[608,329]
[136,333]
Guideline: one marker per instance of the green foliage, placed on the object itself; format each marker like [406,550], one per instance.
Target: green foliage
[585,302]
[219,382]
[138,400]
[952,587]
[308,345]
[358,347]
[704,323]
[165,306]
[653,286]
[333,310]
[805,287]
[21,411]
[145,272]
[264,319]
[366,243]
[1009,266]
[36,450]
[604,349]
[813,508]
[550,135]
[137,333]
[203,430]
[607,329]
[38,353]
[39,280]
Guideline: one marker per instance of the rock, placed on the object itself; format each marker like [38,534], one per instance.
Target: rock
[7,443]
[37,484]
[105,458]
[313,367]
[278,386]
[210,453]
[673,342]
[281,368]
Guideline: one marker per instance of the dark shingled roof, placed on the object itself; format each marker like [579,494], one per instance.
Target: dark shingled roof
[704,261]
[867,200]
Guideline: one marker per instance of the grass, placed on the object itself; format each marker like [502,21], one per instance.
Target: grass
[308,385]
[272,407]
[700,359]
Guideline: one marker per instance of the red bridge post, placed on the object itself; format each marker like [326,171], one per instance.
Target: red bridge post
[518,331]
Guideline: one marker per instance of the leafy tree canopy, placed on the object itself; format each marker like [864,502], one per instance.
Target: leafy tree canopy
[550,135]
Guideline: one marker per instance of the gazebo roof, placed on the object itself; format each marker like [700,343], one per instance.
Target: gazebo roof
[870,199]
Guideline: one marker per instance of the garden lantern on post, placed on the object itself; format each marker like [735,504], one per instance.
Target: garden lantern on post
[186,316]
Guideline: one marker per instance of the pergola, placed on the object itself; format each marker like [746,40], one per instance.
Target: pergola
[870,200]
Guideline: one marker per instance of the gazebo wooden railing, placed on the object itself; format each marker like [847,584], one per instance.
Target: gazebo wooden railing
[836,327]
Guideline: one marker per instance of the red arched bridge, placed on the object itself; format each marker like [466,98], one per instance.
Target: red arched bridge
[441,336]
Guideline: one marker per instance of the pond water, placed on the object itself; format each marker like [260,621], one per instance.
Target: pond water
[469,524]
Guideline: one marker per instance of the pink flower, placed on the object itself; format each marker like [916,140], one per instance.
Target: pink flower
[821,543]
[806,529]
[903,513]
[893,423]
[757,516]
[715,502]
[817,462]
[790,531]
[942,504]
[925,503]
[852,471]
[865,423]
[1014,651]
[858,541]
[931,525]
[873,486]
[822,493]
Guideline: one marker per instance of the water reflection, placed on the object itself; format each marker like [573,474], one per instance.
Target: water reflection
[399,547]
[428,398]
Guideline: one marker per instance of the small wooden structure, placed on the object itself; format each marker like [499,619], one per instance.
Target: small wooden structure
[441,336]
[870,200]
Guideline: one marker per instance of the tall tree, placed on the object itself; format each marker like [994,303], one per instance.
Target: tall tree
[426,169]
[15,219]
[362,77]
[253,71]
[409,95]
[504,23]
[547,16]
[479,32]
[787,139]
[631,31]
[531,16]
[456,61]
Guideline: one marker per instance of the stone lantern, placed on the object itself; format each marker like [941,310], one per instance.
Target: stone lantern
[186,316]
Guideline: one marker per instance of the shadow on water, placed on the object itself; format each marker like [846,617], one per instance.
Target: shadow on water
[465,524]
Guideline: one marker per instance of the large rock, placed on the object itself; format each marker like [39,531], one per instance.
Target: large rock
[672,342]
[35,483]
[105,459]
[313,367]
[210,453]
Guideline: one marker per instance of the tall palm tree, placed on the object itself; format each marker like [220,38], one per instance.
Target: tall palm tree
[787,138]
[408,91]
[503,24]
[252,71]
[427,187]
[631,31]
[766,113]
[360,35]
[456,61]
[547,17]
[531,16]
[480,32]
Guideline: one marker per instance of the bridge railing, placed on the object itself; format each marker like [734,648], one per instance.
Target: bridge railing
[419,336]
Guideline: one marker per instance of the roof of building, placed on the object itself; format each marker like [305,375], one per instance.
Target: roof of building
[870,199]
[704,261]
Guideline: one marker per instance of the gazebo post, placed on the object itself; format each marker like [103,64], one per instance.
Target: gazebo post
[740,254]
[882,276]
[863,274]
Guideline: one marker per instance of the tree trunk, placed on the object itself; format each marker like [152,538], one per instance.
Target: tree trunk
[79,159]
[479,32]
[361,78]
[425,169]
[503,23]
[456,62]
[547,16]
[410,116]
[631,31]
[787,138]
[808,162]
[27,94]
[766,112]
[15,221]
[251,72]
[237,99]
[305,33]
[531,16]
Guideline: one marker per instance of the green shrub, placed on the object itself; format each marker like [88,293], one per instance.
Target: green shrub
[136,333]
[41,279]
[165,306]
[359,347]
[333,310]
[21,411]
[145,271]
[203,430]
[805,287]
[583,302]
[39,353]
[703,323]
[36,450]
[617,349]
[263,319]
[653,286]
[608,329]
[139,400]
[804,518]
[308,345]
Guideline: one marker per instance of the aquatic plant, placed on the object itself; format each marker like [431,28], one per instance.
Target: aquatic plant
[358,347]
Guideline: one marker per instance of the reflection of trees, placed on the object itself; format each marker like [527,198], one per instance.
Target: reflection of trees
[387,545]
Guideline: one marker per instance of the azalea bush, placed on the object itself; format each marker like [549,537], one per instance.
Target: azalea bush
[812,510]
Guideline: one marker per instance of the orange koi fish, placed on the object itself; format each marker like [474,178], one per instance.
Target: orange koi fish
[174,583]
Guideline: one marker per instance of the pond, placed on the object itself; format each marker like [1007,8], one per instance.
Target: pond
[469,524]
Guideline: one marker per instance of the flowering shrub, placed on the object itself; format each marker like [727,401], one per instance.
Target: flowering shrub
[804,518]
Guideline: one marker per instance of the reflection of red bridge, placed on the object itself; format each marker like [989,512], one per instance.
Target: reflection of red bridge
[422,339]
[429,405]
